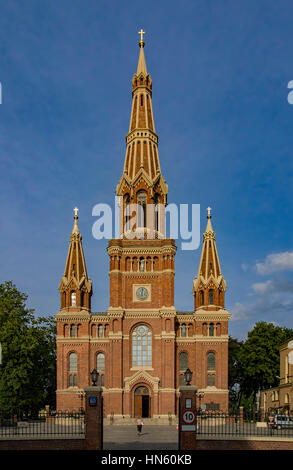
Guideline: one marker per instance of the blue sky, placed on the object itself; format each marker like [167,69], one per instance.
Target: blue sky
[220,72]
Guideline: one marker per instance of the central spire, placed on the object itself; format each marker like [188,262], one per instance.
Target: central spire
[142,177]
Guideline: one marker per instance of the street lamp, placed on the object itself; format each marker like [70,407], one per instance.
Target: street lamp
[94,377]
[188,376]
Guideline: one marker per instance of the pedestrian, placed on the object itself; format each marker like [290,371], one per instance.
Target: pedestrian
[139,425]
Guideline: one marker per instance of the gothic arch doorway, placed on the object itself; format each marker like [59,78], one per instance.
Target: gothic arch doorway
[141,402]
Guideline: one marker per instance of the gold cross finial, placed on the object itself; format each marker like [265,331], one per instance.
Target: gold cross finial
[75,212]
[141,32]
[209,211]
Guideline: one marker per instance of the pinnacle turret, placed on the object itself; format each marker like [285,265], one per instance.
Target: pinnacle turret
[209,286]
[75,286]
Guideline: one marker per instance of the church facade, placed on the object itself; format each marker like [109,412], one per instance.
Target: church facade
[142,345]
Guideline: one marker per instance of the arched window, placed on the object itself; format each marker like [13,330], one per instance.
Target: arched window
[101,369]
[183,361]
[142,346]
[82,298]
[211,329]
[72,362]
[156,221]
[141,264]
[141,80]
[73,299]
[211,296]
[100,331]
[73,331]
[211,361]
[127,213]
[141,100]
[141,209]
[100,362]
[183,330]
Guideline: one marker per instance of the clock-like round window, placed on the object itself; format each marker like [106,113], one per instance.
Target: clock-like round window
[142,293]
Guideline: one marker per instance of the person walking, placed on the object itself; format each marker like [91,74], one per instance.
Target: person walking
[139,425]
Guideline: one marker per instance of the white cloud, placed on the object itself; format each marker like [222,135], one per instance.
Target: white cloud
[239,312]
[276,262]
[262,287]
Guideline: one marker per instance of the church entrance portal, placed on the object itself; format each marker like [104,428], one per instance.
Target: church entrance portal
[141,402]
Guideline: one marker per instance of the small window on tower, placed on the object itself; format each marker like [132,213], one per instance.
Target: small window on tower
[73,299]
[141,100]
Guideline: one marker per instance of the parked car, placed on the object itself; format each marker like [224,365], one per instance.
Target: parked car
[283,421]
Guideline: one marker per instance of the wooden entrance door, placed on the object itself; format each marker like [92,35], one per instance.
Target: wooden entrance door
[141,402]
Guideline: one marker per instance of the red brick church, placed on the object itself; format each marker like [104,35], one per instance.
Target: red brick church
[142,345]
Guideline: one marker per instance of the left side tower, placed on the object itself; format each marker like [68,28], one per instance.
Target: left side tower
[73,325]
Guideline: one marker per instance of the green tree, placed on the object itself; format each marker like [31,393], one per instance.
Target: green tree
[27,372]
[259,357]
[234,372]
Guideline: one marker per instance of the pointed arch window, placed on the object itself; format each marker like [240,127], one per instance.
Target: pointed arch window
[141,100]
[101,369]
[100,362]
[72,362]
[141,346]
[73,299]
[141,209]
[156,221]
[183,330]
[127,212]
[183,361]
[211,297]
[211,361]
[211,329]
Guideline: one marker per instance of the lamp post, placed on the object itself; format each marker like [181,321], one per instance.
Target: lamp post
[188,376]
[94,377]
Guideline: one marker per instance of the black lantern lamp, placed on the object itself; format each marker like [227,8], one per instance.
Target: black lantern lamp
[188,376]
[94,377]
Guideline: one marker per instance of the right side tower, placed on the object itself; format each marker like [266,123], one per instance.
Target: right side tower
[211,321]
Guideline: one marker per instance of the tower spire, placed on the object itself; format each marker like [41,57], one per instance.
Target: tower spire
[142,171]
[75,286]
[209,286]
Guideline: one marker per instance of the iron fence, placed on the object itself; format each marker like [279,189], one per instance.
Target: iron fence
[221,424]
[44,424]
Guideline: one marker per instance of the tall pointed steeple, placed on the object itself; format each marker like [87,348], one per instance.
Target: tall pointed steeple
[209,286]
[142,172]
[75,286]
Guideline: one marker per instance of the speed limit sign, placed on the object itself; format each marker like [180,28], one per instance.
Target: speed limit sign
[188,417]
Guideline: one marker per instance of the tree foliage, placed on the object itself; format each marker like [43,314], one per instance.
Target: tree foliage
[254,364]
[27,372]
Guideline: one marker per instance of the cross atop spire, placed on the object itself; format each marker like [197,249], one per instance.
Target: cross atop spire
[209,211]
[141,42]
[75,226]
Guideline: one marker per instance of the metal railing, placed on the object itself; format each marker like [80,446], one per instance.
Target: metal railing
[56,424]
[220,424]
